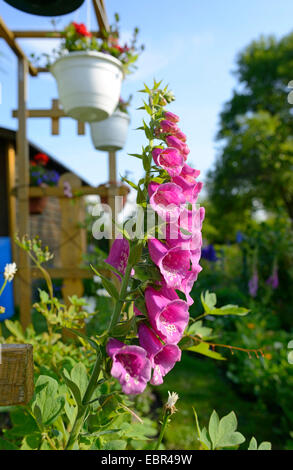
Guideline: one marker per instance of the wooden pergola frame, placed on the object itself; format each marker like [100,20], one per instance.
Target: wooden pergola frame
[24,191]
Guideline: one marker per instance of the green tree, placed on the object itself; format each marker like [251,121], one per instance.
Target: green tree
[255,161]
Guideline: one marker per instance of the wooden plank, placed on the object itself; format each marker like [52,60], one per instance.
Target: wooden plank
[42,113]
[64,272]
[23,195]
[72,238]
[101,15]
[8,35]
[25,34]
[55,191]
[16,374]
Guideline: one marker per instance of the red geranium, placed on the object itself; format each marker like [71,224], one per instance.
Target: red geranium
[81,29]
[41,158]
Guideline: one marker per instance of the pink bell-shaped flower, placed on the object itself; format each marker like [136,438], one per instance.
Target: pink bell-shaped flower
[168,317]
[162,357]
[130,366]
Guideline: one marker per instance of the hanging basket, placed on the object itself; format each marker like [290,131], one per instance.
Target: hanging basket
[89,84]
[37,205]
[110,134]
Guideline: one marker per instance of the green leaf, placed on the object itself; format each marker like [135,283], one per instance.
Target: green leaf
[204,349]
[48,403]
[115,445]
[122,329]
[202,434]
[230,310]
[197,329]
[223,432]
[263,446]
[79,377]
[208,301]
[90,341]
[108,285]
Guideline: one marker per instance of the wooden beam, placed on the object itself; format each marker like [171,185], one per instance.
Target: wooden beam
[55,191]
[64,272]
[55,113]
[23,194]
[101,16]
[26,34]
[8,35]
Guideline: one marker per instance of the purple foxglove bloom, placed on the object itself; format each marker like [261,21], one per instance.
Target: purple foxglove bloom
[180,135]
[130,366]
[190,190]
[168,317]
[173,263]
[273,280]
[209,253]
[166,199]
[188,282]
[171,116]
[118,256]
[169,127]
[170,159]
[174,142]
[162,357]
[189,174]
[253,284]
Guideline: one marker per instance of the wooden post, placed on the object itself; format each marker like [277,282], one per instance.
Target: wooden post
[112,190]
[23,194]
[16,374]
[10,177]
[73,241]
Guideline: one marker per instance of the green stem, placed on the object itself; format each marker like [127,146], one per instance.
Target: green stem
[163,429]
[83,408]
[3,286]
[120,301]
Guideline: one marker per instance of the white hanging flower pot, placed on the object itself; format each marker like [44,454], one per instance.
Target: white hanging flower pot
[110,134]
[89,84]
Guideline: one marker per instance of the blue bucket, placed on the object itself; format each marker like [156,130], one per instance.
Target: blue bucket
[6,299]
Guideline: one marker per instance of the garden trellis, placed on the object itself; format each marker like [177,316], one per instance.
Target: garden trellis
[69,269]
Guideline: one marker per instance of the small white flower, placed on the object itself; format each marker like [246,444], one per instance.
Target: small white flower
[172,399]
[10,271]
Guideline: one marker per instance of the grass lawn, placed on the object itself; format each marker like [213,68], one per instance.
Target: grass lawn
[200,384]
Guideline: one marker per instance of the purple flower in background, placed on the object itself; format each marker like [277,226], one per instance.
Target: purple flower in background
[239,237]
[273,280]
[130,366]
[253,284]
[209,253]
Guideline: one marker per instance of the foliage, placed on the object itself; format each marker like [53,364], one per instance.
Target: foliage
[222,433]
[253,169]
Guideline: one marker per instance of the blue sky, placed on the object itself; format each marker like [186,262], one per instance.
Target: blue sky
[191,45]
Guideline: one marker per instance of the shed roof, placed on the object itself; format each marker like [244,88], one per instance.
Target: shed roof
[54,164]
